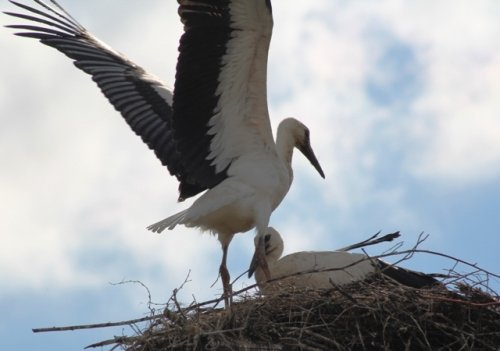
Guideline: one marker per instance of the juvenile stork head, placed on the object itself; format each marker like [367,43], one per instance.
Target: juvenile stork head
[274,245]
[273,249]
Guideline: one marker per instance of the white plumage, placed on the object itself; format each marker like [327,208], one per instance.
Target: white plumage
[329,268]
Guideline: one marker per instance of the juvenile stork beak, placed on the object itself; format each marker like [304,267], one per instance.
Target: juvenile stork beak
[308,152]
[259,259]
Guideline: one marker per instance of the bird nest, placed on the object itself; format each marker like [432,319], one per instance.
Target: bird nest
[374,315]
[461,312]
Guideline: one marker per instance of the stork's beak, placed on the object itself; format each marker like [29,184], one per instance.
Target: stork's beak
[253,266]
[254,263]
[259,259]
[308,152]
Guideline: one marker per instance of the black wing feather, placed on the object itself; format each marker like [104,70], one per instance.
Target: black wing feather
[133,92]
[207,29]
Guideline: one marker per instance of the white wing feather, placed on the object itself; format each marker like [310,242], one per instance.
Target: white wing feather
[241,123]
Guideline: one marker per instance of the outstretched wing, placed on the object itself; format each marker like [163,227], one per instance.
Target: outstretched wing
[220,103]
[219,109]
[144,102]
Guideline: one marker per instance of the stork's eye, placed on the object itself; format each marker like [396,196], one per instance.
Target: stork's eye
[267,237]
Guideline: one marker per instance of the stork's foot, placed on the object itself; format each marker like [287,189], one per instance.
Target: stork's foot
[226,285]
[259,259]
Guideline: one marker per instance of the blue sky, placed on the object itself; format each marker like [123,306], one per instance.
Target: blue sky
[403,103]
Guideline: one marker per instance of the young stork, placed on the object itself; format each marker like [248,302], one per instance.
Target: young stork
[213,131]
[337,267]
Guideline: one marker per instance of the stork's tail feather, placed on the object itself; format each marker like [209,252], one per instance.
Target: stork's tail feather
[169,222]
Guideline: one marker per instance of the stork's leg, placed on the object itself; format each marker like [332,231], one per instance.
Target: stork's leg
[225,277]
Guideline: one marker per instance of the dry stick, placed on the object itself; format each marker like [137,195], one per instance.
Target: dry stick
[474,265]
[469,303]
[123,282]
[115,340]
[421,238]
[92,326]
[336,287]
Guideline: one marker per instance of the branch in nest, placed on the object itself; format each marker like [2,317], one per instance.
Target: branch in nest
[93,326]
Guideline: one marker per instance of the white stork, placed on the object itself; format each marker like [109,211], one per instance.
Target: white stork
[213,131]
[330,267]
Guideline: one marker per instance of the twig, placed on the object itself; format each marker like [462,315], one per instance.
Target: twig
[116,340]
[474,265]
[336,287]
[469,303]
[221,331]
[176,302]
[93,326]
[123,282]
[394,248]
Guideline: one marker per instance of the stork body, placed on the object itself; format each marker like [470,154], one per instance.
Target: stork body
[213,130]
[257,184]
[323,269]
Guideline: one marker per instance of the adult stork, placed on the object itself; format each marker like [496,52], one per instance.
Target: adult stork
[213,131]
[321,269]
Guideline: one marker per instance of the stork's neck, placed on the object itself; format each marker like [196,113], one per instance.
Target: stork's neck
[285,142]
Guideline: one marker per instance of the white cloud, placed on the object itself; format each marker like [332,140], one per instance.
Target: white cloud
[76,180]
[449,132]
[455,120]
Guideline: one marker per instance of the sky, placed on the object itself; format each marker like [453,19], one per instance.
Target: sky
[403,103]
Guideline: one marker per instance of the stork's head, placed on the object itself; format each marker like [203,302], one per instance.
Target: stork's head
[294,131]
[273,244]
